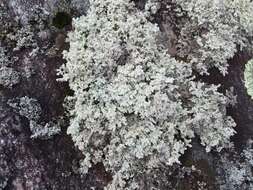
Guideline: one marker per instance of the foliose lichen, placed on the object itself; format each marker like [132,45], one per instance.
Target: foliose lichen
[31,109]
[8,77]
[248,77]
[210,32]
[135,108]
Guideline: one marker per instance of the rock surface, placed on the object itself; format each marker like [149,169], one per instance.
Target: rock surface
[32,38]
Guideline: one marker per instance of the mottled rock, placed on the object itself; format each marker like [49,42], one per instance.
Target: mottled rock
[32,38]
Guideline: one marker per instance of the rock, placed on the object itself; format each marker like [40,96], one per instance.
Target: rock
[32,38]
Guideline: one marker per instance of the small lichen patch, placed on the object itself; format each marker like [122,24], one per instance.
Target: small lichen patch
[46,131]
[27,107]
[248,77]
[31,109]
[9,77]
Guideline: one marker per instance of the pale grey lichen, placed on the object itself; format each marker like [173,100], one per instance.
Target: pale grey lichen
[135,108]
[218,28]
[4,59]
[31,109]
[80,5]
[248,77]
[8,77]
[46,131]
[237,169]
[27,107]
[232,97]
[24,38]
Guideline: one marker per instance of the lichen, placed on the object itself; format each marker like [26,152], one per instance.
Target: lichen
[46,131]
[135,108]
[31,109]
[208,33]
[24,38]
[27,107]
[248,77]
[8,77]
[237,169]
[214,32]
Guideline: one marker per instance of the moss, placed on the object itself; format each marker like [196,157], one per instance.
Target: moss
[61,20]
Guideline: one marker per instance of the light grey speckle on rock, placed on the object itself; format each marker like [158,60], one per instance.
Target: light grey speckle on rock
[9,77]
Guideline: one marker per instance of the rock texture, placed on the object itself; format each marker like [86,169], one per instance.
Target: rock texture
[32,38]
[31,47]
